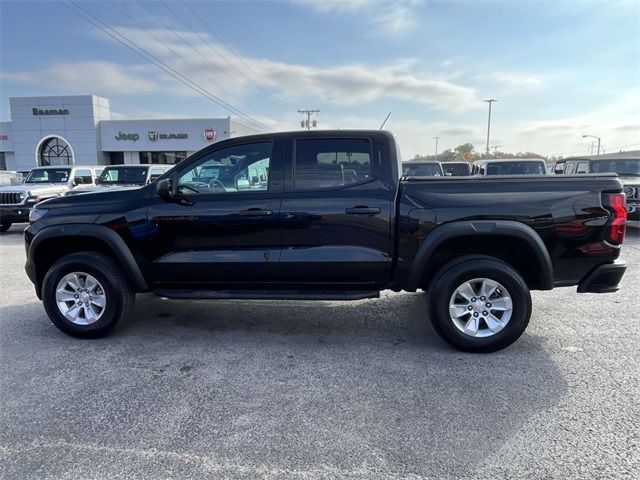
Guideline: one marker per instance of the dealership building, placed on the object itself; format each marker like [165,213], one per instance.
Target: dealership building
[77,130]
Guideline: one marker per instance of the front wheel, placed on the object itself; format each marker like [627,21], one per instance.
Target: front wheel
[4,226]
[86,294]
[479,304]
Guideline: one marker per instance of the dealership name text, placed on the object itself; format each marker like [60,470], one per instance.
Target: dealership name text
[51,111]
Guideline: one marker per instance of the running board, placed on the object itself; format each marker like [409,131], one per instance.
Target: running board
[266,294]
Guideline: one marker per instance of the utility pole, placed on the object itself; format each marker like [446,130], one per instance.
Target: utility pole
[308,123]
[489,101]
[437,138]
[593,136]
[495,149]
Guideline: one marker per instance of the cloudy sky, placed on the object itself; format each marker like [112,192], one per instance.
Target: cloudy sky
[558,69]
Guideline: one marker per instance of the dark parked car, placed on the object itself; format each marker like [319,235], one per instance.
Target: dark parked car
[333,220]
[515,166]
[422,169]
[627,168]
[456,169]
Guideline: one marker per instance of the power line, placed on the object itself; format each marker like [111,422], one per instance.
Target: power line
[216,52]
[124,40]
[188,63]
[240,59]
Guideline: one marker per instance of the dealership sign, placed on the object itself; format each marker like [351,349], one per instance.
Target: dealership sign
[51,111]
[209,134]
[127,136]
[154,135]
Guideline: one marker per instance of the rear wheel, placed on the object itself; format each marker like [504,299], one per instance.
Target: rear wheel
[479,304]
[4,226]
[86,294]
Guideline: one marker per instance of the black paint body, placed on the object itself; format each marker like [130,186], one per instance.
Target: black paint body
[320,240]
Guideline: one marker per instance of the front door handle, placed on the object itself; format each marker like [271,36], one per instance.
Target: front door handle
[362,210]
[255,212]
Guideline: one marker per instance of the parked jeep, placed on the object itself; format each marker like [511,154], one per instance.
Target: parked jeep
[40,184]
[333,220]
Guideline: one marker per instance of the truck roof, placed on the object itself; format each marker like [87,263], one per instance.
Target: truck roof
[506,160]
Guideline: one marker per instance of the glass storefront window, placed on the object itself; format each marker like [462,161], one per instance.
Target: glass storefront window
[55,151]
[162,157]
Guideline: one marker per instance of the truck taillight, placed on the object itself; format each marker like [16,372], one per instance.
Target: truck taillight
[616,203]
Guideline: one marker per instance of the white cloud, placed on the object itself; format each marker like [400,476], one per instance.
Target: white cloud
[91,76]
[347,84]
[390,18]
[517,80]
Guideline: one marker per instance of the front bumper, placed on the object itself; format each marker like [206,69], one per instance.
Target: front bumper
[603,279]
[14,214]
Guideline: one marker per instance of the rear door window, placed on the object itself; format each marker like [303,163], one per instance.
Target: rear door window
[324,163]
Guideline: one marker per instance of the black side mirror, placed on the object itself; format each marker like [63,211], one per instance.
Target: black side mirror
[78,181]
[164,188]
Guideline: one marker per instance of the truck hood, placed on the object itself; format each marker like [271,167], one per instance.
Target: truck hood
[35,188]
[95,198]
[105,188]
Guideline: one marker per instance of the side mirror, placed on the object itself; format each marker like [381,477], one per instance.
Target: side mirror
[255,180]
[164,188]
[78,181]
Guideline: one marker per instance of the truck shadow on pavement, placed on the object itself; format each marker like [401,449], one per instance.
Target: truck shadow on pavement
[334,387]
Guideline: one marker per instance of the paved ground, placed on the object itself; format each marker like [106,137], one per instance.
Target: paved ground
[360,390]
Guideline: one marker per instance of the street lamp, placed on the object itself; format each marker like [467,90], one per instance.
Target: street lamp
[593,136]
[489,101]
[436,138]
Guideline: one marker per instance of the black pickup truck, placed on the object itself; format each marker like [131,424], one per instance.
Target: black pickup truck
[328,216]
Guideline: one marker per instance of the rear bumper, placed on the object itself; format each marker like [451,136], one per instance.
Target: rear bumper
[603,279]
[17,214]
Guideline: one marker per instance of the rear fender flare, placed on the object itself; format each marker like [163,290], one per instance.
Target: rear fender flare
[507,228]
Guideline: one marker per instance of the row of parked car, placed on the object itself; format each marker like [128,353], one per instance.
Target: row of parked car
[627,168]
[19,194]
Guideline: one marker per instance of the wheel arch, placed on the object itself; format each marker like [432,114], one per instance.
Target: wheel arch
[52,243]
[540,277]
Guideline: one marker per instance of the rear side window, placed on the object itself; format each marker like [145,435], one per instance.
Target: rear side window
[331,163]
[86,175]
[571,168]
[583,167]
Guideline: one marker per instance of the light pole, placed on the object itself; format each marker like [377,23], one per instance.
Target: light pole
[593,136]
[489,101]
[436,138]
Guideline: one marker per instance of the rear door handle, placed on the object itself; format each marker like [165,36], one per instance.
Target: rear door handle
[255,212]
[362,210]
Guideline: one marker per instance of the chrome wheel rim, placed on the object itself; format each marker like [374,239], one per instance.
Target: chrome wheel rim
[80,298]
[480,307]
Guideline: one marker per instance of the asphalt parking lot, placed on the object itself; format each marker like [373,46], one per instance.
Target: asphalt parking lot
[359,390]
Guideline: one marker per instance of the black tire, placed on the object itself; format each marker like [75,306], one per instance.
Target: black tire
[454,274]
[4,226]
[119,294]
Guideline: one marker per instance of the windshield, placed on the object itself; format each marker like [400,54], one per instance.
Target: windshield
[516,168]
[456,169]
[123,175]
[48,175]
[630,167]
[422,170]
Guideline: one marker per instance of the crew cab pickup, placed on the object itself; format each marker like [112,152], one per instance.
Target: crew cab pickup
[334,219]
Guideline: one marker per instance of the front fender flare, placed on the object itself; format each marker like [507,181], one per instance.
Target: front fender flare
[507,228]
[122,253]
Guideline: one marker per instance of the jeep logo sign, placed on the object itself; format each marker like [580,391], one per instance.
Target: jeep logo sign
[209,134]
[127,136]
[53,111]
